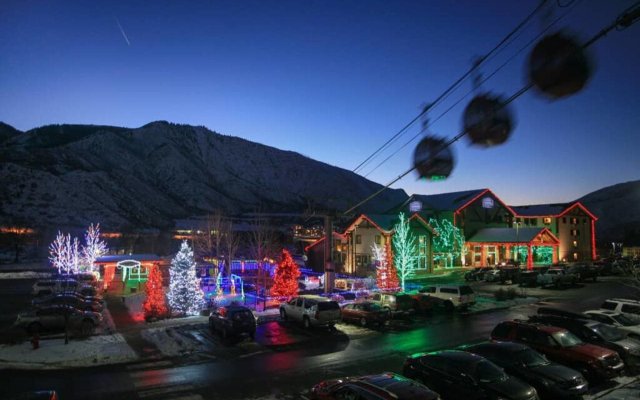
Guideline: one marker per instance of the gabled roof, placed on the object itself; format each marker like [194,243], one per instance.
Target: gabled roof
[123,257]
[445,201]
[538,210]
[335,235]
[510,235]
[383,222]
[550,210]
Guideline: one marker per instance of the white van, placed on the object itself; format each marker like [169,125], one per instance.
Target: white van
[453,296]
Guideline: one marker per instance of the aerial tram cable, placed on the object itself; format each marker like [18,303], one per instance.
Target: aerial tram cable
[627,18]
[443,95]
[483,80]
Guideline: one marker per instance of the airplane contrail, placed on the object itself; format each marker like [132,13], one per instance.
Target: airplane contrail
[124,35]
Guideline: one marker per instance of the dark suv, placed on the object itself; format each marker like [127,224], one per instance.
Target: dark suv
[233,321]
[385,386]
[466,376]
[561,346]
[597,333]
[551,380]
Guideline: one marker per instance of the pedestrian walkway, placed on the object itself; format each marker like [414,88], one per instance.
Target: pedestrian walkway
[130,328]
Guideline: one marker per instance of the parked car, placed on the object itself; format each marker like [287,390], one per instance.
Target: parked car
[597,333]
[551,380]
[365,314]
[233,321]
[616,319]
[71,299]
[508,273]
[493,275]
[461,375]
[52,318]
[422,302]
[36,395]
[528,278]
[557,277]
[86,278]
[385,386]
[452,296]
[584,272]
[630,308]
[561,346]
[311,311]
[394,302]
[476,274]
[53,286]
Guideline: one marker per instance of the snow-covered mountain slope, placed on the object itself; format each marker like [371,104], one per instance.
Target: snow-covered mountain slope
[147,177]
[618,210]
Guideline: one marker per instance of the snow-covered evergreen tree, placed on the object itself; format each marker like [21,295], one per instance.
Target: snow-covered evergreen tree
[185,295]
[93,248]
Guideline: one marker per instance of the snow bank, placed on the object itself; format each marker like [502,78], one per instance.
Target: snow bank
[25,275]
[170,342]
[53,353]
[488,303]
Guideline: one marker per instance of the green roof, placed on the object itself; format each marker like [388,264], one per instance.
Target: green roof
[505,235]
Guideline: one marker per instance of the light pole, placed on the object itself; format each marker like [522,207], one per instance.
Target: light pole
[517,242]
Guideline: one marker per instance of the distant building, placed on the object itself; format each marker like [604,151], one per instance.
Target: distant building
[493,232]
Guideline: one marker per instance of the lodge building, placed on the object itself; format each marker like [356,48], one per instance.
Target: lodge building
[492,231]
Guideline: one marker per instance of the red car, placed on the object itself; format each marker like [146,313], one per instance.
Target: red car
[385,386]
[365,314]
[561,346]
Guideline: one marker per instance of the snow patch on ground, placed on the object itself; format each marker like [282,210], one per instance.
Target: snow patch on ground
[25,275]
[53,353]
[488,303]
[171,342]
[628,388]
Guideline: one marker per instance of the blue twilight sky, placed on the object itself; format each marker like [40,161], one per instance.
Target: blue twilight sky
[332,80]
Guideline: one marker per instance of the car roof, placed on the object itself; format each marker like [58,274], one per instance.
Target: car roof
[624,301]
[453,355]
[505,347]
[397,385]
[314,297]
[541,327]
[603,312]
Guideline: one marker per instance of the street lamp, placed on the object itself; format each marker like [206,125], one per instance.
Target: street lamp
[517,242]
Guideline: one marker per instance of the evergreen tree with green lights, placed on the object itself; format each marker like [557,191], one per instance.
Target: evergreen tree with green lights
[448,241]
[404,244]
[155,305]
[185,295]
[285,281]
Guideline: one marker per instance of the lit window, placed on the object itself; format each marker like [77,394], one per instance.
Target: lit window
[575,256]
[575,243]
[547,220]
[574,221]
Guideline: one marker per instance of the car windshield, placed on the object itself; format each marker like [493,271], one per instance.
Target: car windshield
[241,315]
[566,339]
[465,290]
[530,358]
[608,333]
[489,372]
[623,320]
[372,307]
[328,305]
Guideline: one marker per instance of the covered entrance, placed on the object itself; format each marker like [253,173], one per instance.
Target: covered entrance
[530,246]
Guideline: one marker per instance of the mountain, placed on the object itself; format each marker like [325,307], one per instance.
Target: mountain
[71,175]
[618,210]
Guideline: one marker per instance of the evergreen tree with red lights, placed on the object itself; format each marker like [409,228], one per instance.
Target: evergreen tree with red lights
[285,281]
[387,275]
[154,305]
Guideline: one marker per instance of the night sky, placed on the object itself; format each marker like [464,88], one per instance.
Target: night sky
[332,80]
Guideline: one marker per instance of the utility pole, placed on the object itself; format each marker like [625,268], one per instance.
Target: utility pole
[329,270]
